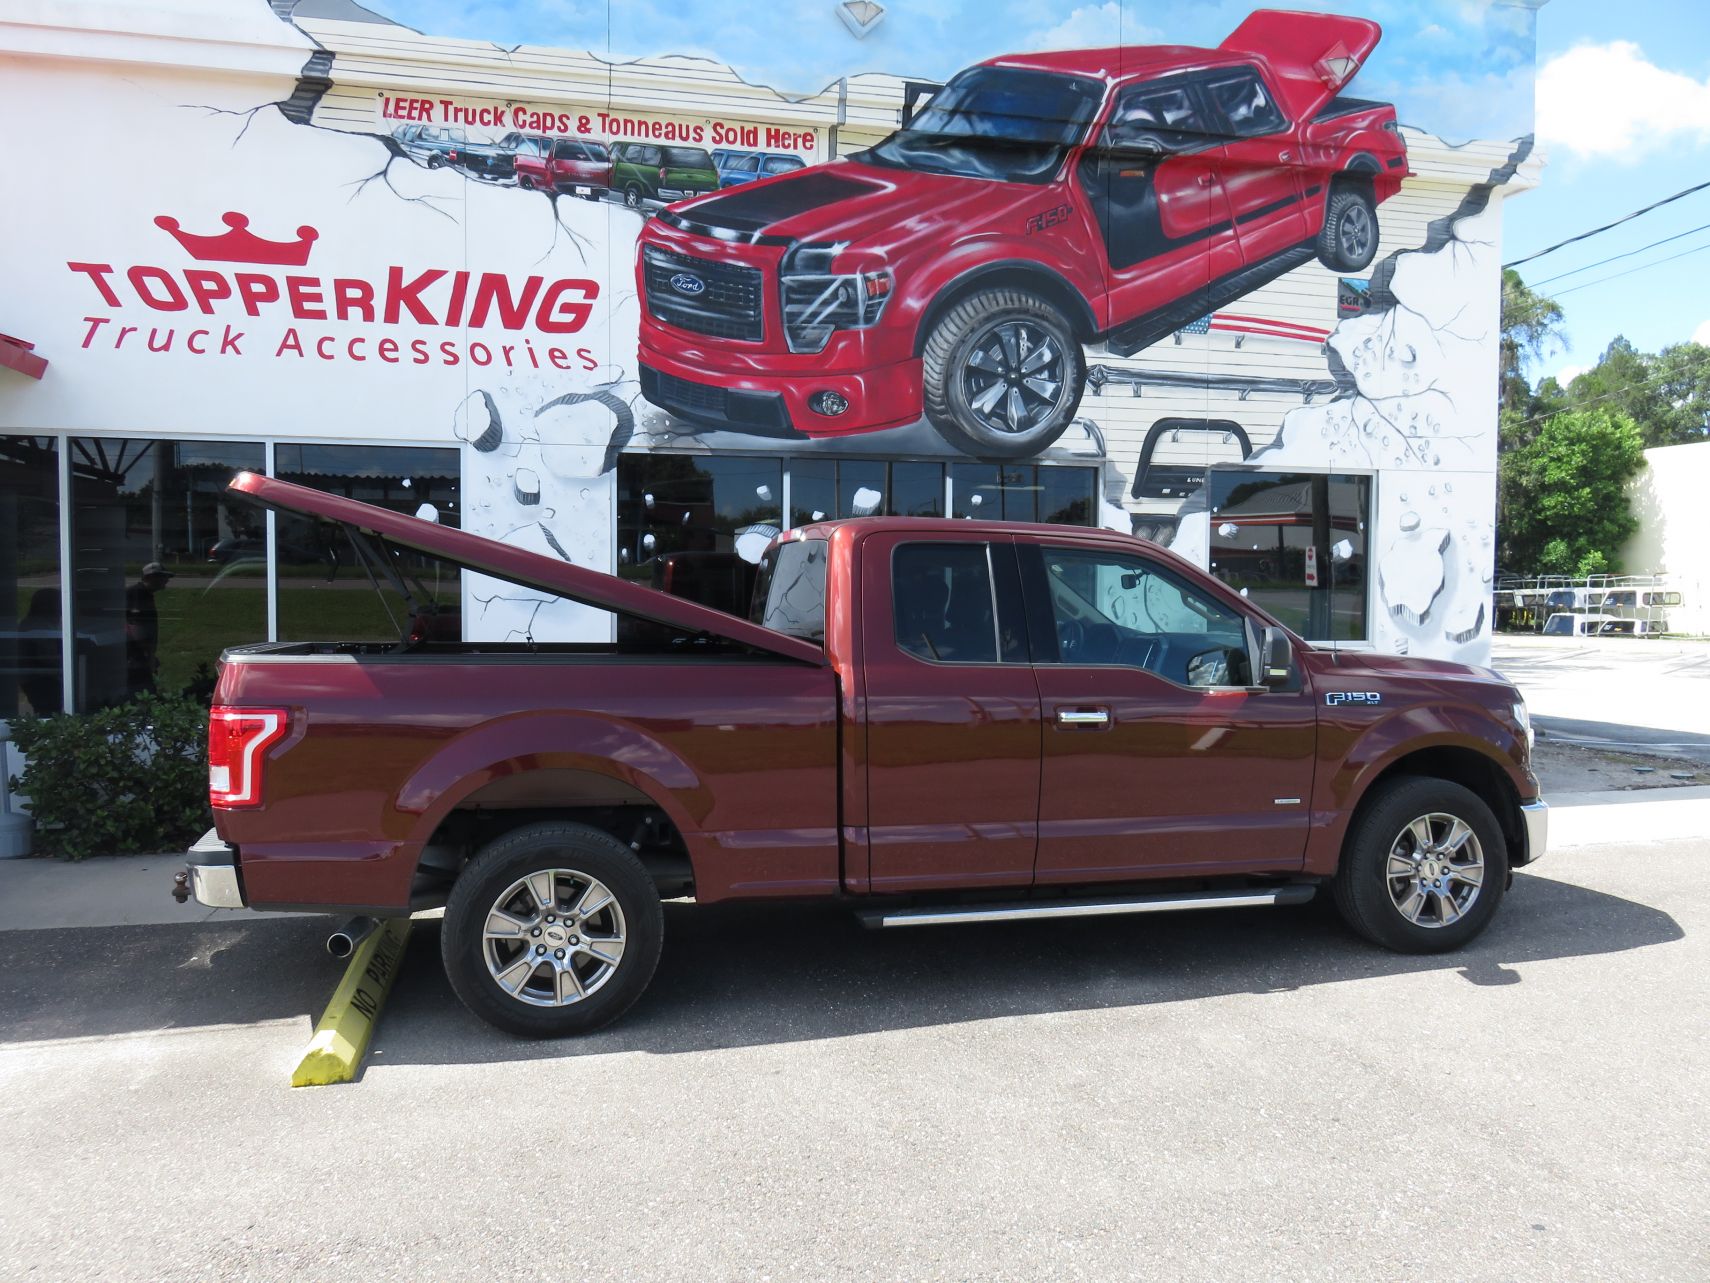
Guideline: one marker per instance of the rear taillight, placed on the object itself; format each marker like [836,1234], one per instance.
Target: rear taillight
[237,738]
[661,174]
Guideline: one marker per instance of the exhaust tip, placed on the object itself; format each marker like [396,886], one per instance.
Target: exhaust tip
[342,943]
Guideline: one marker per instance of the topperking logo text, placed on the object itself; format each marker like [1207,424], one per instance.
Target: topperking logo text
[257,293]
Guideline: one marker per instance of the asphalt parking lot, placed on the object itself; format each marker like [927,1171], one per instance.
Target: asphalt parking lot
[1238,1095]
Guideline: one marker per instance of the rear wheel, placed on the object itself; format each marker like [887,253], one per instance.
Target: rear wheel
[553,929]
[1349,239]
[1424,866]
[1003,373]
[632,196]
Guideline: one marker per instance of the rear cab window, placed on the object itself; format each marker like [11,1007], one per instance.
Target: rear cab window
[958,603]
[789,593]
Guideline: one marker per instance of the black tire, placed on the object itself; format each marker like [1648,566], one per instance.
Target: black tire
[526,183]
[1348,241]
[1363,883]
[969,333]
[435,160]
[632,196]
[553,845]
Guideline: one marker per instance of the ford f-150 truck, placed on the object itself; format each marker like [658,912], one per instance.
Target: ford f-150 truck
[1039,202]
[929,721]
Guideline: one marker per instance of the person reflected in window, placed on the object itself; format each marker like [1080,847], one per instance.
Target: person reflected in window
[142,628]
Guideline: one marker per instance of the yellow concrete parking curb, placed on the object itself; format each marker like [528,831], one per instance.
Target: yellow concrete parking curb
[341,1039]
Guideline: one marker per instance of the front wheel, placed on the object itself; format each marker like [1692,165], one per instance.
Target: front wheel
[1349,239]
[1423,868]
[1003,374]
[553,929]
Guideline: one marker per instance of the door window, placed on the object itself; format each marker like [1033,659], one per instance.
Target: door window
[747,165]
[1164,118]
[1246,105]
[941,599]
[1113,608]
[782,164]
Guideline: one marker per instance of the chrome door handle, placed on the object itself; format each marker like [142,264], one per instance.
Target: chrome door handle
[1083,717]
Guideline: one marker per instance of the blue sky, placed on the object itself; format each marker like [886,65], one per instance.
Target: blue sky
[1623,94]
[1624,116]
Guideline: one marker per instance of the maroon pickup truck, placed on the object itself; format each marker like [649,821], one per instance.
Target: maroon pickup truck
[930,721]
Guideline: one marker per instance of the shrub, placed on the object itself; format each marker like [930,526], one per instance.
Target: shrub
[132,778]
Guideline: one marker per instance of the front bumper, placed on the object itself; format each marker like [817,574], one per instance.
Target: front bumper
[1536,814]
[211,873]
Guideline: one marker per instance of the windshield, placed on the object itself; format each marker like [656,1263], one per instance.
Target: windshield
[998,123]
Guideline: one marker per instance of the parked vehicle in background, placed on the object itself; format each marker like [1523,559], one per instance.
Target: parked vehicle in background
[432,145]
[577,165]
[495,161]
[1566,624]
[1038,203]
[745,167]
[927,721]
[659,172]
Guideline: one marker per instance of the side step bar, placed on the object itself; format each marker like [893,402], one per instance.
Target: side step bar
[1022,910]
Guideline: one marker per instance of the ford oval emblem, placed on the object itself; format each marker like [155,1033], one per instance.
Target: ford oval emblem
[687,283]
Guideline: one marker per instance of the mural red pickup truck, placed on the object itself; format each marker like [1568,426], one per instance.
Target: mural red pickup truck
[1038,203]
[929,721]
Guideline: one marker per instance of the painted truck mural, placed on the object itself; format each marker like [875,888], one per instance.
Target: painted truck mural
[1241,263]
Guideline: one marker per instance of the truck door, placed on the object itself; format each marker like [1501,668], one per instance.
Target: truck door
[952,713]
[1260,166]
[1157,759]
[1153,184]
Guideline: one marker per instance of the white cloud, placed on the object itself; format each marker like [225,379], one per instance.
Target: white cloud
[1611,101]
[1566,374]
[1702,334]
[1092,26]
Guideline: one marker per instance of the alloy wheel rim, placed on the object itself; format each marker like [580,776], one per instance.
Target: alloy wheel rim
[1013,378]
[1356,231]
[553,938]
[1435,870]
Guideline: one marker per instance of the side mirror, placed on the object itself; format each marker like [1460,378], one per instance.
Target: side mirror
[1276,659]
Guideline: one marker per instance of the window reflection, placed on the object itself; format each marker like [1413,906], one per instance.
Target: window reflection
[325,589]
[30,668]
[1297,543]
[168,568]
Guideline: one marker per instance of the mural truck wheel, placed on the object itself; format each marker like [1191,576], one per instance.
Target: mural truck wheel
[526,183]
[632,196]
[1003,374]
[1349,240]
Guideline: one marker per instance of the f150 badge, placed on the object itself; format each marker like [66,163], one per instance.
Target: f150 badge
[1353,697]
[1049,218]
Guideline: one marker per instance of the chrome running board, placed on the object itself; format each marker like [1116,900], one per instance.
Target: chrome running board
[1022,910]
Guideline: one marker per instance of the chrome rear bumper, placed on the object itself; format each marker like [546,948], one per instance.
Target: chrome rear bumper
[213,875]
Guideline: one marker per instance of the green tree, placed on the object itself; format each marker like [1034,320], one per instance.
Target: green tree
[1667,394]
[1565,507]
[1531,326]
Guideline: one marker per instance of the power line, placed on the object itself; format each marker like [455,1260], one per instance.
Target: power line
[1614,276]
[1559,276]
[1597,231]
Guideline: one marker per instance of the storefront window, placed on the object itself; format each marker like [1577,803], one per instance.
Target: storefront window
[325,590]
[168,568]
[821,489]
[1296,542]
[1023,492]
[30,667]
[917,489]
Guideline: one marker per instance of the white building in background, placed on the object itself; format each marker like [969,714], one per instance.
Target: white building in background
[1673,539]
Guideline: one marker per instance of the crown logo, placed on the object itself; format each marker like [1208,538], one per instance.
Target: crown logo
[240,245]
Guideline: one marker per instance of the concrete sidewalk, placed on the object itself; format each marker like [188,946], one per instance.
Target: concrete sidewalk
[136,890]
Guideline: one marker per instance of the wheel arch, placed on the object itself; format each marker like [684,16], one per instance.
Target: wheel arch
[1016,274]
[1472,769]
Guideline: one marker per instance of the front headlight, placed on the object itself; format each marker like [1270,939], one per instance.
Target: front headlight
[816,302]
[1525,720]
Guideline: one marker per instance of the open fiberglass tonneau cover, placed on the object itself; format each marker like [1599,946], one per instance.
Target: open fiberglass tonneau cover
[516,565]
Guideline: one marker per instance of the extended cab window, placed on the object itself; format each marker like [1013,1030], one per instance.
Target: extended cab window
[783,164]
[789,593]
[1112,608]
[942,601]
[1246,105]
